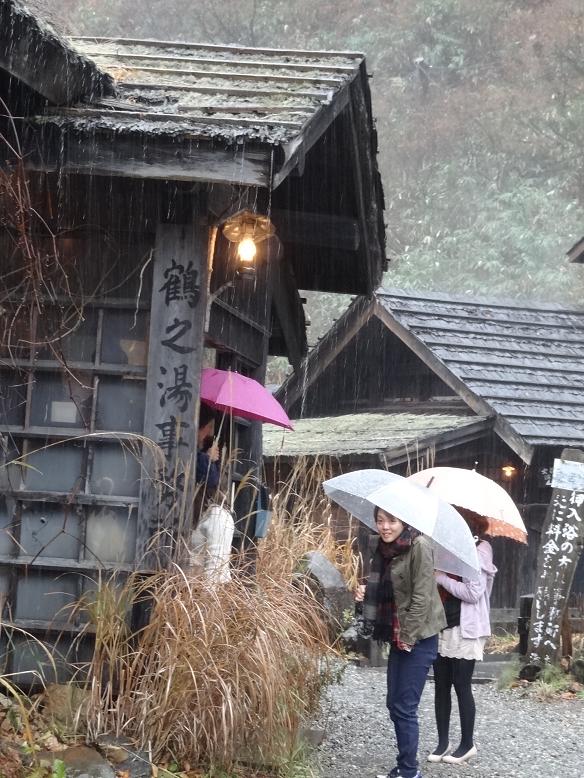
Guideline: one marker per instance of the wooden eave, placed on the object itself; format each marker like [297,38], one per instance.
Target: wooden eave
[402,452]
[32,52]
[329,347]
[49,148]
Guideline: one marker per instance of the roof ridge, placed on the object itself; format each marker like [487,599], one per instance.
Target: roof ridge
[443,297]
[216,46]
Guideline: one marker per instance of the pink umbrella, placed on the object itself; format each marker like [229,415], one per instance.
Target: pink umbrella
[234,393]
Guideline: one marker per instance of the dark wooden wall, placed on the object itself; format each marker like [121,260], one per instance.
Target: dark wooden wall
[374,370]
[74,512]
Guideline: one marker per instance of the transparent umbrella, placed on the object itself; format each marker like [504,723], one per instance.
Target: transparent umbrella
[361,491]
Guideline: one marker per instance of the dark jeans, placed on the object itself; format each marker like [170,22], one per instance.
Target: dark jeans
[406,676]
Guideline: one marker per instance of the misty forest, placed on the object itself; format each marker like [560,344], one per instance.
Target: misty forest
[479,110]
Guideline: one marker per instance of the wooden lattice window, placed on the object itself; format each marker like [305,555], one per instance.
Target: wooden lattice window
[70,402]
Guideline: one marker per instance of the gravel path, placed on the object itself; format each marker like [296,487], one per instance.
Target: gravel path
[516,736]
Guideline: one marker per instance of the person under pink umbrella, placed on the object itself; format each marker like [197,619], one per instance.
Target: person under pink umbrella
[208,454]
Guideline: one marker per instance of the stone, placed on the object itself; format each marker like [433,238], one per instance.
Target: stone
[127,759]
[80,762]
[312,736]
[331,587]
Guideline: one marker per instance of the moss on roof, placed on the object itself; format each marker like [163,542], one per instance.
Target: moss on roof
[361,433]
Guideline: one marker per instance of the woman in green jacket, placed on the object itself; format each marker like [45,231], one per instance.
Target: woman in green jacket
[403,607]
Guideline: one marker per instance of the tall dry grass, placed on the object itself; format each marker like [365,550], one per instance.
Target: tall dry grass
[219,673]
[302,521]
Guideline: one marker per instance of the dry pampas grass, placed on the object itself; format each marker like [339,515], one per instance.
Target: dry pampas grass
[217,674]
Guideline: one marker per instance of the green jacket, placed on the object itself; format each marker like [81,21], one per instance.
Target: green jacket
[419,607]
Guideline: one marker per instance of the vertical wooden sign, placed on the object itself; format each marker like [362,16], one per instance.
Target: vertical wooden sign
[561,544]
[174,372]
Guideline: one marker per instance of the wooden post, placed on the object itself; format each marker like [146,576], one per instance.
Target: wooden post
[562,537]
[174,373]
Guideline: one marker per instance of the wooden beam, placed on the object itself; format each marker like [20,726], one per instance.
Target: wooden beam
[177,317]
[122,55]
[317,229]
[220,47]
[232,91]
[289,311]
[65,497]
[474,401]
[358,184]
[62,627]
[66,565]
[367,180]
[186,123]
[137,156]
[576,253]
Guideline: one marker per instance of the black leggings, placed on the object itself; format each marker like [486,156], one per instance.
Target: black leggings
[457,673]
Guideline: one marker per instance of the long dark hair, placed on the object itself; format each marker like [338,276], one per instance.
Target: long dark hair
[478,525]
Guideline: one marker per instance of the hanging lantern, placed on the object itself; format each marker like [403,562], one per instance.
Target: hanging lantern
[247,230]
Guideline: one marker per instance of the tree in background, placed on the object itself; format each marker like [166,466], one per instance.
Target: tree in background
[480,109]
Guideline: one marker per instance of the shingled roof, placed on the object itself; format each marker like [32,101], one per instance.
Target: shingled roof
[277,97]
[217,91]
[521,364]
[214,114]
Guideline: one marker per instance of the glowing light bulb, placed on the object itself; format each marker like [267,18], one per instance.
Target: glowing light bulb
[509,471]
[247,250]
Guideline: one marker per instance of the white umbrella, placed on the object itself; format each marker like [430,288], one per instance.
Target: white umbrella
[361,491]
[471,490]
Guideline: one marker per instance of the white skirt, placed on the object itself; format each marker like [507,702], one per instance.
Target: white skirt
[453,645]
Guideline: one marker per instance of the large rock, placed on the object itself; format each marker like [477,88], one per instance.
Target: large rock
[331,587]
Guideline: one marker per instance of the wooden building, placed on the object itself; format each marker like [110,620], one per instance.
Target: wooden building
[121,164]
[410,380]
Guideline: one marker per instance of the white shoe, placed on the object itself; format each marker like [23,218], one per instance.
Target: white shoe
[460,759]
[439,757]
